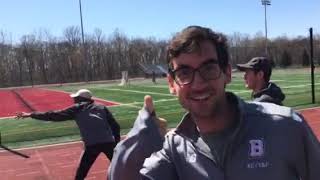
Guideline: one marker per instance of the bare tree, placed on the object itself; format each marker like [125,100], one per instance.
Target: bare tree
[75,54]
[120,48]
[28,52]
[42,58]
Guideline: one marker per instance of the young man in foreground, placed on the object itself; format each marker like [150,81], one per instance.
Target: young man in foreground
[221,136]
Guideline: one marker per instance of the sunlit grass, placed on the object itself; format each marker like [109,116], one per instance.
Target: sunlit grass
[16,133]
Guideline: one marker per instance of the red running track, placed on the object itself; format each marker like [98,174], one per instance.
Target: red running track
[60,161]
[57,162]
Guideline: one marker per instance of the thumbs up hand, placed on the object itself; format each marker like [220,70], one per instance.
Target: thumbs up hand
[148,104]
[162,123]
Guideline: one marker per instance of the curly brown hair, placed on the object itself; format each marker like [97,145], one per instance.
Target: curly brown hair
[189,40]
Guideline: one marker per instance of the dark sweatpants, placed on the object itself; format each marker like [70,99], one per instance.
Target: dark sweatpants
[90,154]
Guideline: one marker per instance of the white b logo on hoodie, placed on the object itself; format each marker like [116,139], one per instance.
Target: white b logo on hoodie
[256,148]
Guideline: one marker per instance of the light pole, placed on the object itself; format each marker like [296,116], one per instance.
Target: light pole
[266,3]
[84,53]
[81,23]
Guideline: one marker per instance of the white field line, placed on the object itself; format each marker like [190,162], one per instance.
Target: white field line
[133,104]
[285,87]
[272,80]
[106,101]
[160,86]
[240,92]
[45,146]
[303,85]
[128,104]
[43,164]
[141,92]
[7,117]
[277,80]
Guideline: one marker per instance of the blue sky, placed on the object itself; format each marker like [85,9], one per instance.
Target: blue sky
[159,18]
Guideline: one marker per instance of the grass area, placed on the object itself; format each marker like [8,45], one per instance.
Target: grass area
[28,132]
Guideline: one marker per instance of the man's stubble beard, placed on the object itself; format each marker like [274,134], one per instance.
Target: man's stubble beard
[215,108]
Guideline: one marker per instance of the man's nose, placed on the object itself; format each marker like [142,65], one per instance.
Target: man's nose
[198,81]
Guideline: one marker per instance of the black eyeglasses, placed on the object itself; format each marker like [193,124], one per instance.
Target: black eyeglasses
[184,75]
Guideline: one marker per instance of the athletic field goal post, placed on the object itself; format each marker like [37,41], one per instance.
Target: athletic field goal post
[124,78]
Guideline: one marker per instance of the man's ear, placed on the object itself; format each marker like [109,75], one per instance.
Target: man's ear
[227,74]
[260,74]
[171,84]
[172,91]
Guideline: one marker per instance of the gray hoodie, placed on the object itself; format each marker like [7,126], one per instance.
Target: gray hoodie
[269,142]
[96,123]
[142,140]
[272,93]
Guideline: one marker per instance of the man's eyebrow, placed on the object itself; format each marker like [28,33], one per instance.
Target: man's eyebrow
[210,60]
[179,66]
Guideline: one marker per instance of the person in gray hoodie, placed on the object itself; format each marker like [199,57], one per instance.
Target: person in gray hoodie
[222,137]
[145,137]
[257,77]
[99,130]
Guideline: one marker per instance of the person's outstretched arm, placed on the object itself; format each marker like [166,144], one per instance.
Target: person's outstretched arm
[60,115]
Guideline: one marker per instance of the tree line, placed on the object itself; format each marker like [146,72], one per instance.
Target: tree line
[41,58]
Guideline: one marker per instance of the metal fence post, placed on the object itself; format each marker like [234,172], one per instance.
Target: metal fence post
[312,65]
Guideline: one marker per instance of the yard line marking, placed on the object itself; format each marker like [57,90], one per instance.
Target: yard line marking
[128,104]
[133,104]
[272,80]
[28,173]
[46,146]
[277,80]
[303,85]
[159,86]
[141,92]
[284,87]
[44,166]
[240,92]
[7,117]
[94,98]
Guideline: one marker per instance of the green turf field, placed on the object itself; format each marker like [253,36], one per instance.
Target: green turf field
[28,132]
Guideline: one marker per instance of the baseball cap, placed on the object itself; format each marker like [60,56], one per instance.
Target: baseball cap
[85,93]
[256,63]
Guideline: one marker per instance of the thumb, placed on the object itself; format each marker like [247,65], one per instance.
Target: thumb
[148,103]
[162,126]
